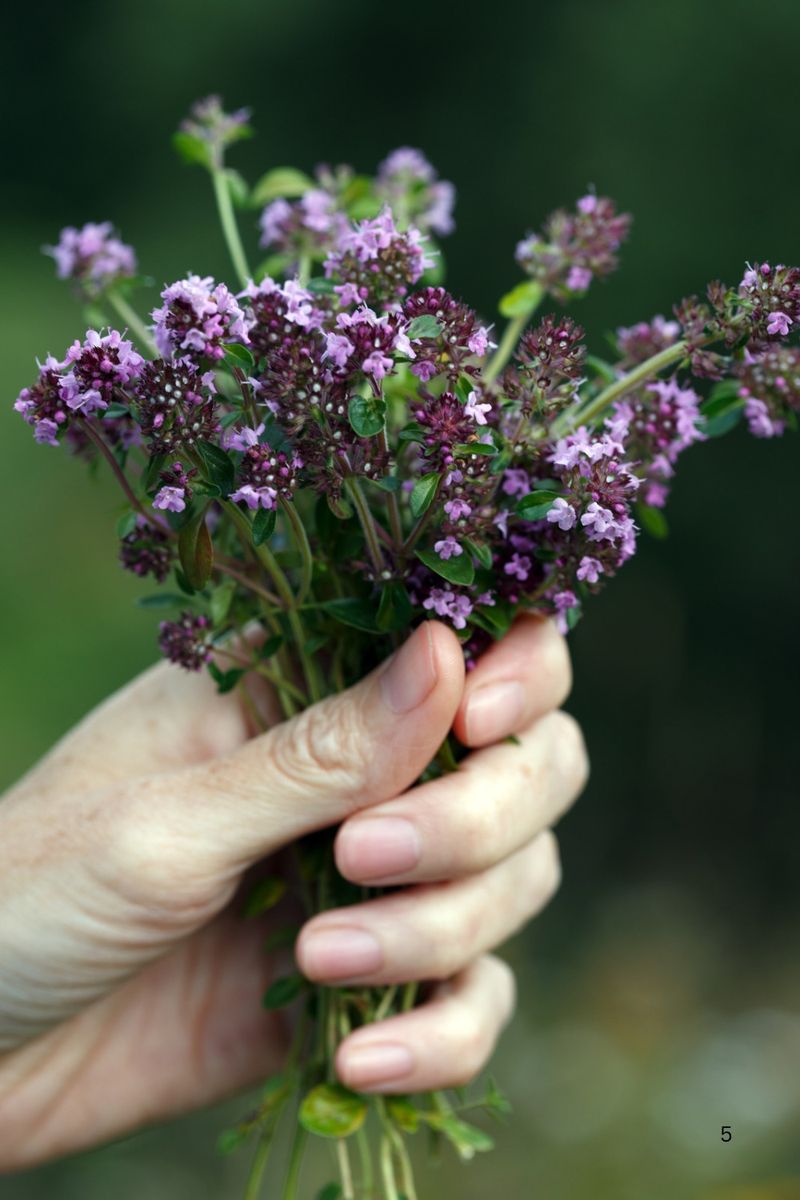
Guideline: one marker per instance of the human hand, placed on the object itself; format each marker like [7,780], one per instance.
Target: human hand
[130,985]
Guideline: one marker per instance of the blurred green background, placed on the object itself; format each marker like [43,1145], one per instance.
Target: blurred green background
[660,994]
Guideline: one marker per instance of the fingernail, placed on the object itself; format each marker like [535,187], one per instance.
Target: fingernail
[341,953]
[378,846]
[411,674]
[378,1063]
[494,711]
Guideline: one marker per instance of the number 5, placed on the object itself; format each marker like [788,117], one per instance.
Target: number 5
[727,1134]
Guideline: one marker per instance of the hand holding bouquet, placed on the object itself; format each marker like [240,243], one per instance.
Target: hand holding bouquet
[339,450]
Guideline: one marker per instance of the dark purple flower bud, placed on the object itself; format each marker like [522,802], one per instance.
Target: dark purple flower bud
[175,407]
[186,641]
[265,476]
[146,551]
[552,357]
[462,339]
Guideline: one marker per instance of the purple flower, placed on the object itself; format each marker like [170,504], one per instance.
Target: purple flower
[457,508]
[778,323]
[599,522]
[96,368]
[311,225]
[455,607]
[579,278]
[460,338]
[172,499]
[759,420]
[476,410]
[516,482]
[146,551]
[186,641]
[518,565]
[374,261]
[338,348]
[409,184]
[176,405]
[242,438]
[640,342]
[216,129]
[197,318]
[448,548]
[563,602]
[562,514]
[589,569]
[262,497]
[265,476]
[93,256]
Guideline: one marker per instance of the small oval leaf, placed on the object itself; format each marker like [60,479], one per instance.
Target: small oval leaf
[332,1111]
[283,991]
[196,551]
[423,494]
[263,525]
[458,569]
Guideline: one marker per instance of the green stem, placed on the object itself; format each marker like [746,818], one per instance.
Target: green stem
[132,319]
[304,269]
[365,1158]
[256,1176]
[345,1170]
[511,336]
[406,1169]
[387,999]
[409,996]
[387,1166]
[367,524]
[229,227]
[302,543]
[651,366]
[295,1160]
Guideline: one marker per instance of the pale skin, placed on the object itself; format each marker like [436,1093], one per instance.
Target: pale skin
[130,984]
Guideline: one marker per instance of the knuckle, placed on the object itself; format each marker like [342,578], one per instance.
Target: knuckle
[324,743]
[539,875]
[470,1043]
[475,842]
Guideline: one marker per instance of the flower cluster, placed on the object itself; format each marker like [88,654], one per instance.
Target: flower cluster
[575,247]
[409,184]
[311,226]
[197,319]
[770,388]
[376,262]
[93,256]
[186,641]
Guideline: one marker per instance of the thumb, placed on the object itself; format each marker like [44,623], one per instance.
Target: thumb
[355,749]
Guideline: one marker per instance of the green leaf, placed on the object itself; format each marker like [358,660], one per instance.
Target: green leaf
[191,149]
[458,569]
[474,448]
[272,266]
[652,520]
[425,490]
[320,286]
[265,895]
[115,411]
[403,1113]
[280,182]
[126,524]
[231,1139]
[283,991]
[724,422]
[220,601]
[196,551]
[332,1111]
[331,1191]
[522,299]
[161,600]
[467,1139]
[284,935]
[237,355]
[359,614]
[480,551]
[495,1100]
[226,681]
[536,505]
[218,465]
[367,414]
[424,327]
[271,646]
[394,610]
[150,478]
[413,432]
[600,367]
[263,525]
[237,186]
[390,483]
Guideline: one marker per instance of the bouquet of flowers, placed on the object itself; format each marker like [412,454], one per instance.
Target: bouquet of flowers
[338,448]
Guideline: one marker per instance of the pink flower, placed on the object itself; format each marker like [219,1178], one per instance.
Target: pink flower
[579,278]
[562,514]
[448,548]
[457,508]
[376,364]
[475,410]
[587,204]
[589,569]
[338,348]
[518,565]
[171,499]
[778,322]
[256,497]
